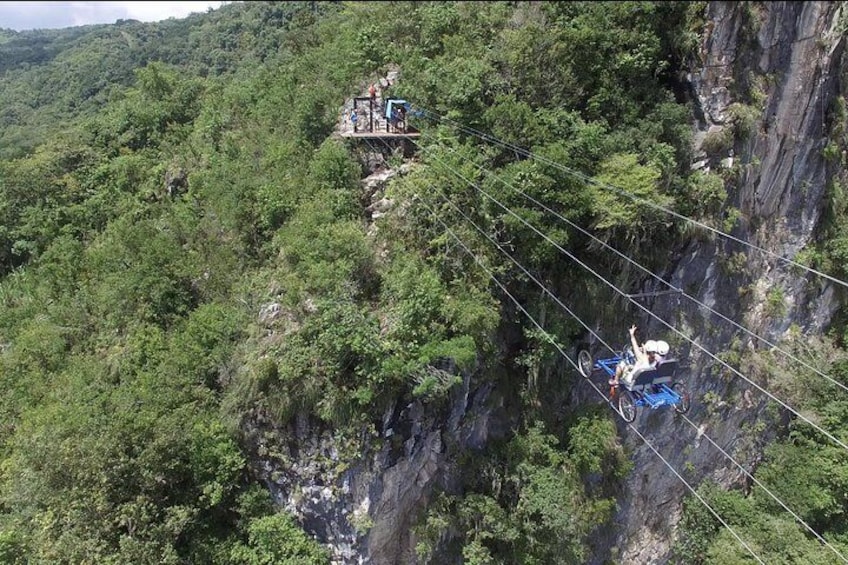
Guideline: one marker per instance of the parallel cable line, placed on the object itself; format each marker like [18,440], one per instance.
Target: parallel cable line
[600,393]
[621,192]
[762,486]
[520,266]
[527,273]
[693,491]
[577,318]
[643,308]
[659,278]
[594,334]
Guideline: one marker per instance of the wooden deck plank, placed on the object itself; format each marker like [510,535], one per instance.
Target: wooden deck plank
[377,134]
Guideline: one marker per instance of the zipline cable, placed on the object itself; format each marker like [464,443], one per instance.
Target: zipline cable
[766,490]
[532,277]
[621,192]
[594,334]
[520,266]
[602,395]
[577,318]
[657,277]
[643,308]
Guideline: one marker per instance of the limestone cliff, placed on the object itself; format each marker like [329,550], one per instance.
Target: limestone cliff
[361,495]
[780,64]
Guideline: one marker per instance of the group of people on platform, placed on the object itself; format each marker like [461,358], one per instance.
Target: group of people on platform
[395,121]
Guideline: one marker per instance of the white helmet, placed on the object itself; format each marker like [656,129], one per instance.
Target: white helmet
[650,346]
[663,347]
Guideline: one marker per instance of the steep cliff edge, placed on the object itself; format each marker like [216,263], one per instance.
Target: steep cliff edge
[361,496]
[778,64]
[361,491]
[767,75]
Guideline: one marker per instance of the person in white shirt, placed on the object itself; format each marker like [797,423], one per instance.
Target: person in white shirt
[646,358]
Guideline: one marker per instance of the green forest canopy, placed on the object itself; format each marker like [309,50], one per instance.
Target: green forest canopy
[131,354]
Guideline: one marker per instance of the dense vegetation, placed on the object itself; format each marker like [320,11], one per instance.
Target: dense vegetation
[131,355]
[803,469]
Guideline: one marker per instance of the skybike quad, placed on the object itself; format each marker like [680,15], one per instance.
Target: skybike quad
[652,387]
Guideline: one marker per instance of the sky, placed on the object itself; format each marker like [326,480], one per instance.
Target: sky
[49,15]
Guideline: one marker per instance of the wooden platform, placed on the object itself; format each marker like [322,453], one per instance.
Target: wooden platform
[378,135]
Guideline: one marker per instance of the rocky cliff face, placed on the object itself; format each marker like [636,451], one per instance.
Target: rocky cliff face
[360,496]
[779,64]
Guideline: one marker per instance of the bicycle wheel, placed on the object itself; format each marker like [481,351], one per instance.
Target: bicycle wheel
[626,405]
[585,363]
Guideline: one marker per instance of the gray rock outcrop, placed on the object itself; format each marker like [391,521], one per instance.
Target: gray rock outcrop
[782,61]
[361,496]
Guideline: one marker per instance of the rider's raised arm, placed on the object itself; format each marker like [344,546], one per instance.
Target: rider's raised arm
[637,351]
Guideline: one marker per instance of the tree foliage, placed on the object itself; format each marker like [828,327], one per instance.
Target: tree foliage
[183,246]
[804,470]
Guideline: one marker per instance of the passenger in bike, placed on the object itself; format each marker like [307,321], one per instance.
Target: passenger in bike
[646,358]
[662,351]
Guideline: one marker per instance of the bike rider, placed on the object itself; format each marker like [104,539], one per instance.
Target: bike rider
[646,358]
